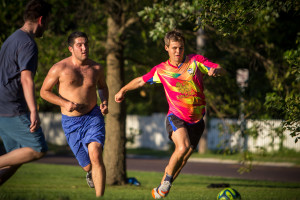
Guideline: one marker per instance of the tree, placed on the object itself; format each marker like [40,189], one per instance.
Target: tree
[121,16]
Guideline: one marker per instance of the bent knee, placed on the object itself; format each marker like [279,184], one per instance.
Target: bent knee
[38,155]
[182,151]
[96,158]
[95,152]
[87,168]
[95,146]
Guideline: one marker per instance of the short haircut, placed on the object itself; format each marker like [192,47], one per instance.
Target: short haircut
[74,35]
[35,9]
[174,35]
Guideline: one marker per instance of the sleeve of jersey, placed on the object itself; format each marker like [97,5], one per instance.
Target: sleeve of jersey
[204,64]
[152,76]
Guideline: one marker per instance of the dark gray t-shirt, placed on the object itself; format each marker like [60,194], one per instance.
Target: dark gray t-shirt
[19,52]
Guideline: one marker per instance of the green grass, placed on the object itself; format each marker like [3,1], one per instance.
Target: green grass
[61,182]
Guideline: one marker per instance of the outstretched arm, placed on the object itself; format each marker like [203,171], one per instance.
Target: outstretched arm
[132,85]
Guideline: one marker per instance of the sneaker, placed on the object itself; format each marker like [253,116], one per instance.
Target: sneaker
[89,180]
[155,194]
[164,188]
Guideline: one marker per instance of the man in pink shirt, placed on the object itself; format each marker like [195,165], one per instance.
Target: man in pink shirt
[182,78]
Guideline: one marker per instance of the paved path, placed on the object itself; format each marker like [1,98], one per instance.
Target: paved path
[208,167]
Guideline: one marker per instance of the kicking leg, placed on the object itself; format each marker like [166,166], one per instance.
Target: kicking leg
[185,159]
[182,145]
[195,132]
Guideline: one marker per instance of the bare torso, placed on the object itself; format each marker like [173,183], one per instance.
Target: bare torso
[78,84]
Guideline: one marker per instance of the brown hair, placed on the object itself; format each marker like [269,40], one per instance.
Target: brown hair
[74,35]
[173,36]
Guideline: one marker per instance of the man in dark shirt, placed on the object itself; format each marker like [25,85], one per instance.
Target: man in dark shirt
[20,129]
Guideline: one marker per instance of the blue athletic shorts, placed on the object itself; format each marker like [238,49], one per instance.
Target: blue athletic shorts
[195,131]
[15,134]
[82,130]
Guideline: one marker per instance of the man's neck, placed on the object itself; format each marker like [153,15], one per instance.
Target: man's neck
[177,64]
[29,28]
[79,63]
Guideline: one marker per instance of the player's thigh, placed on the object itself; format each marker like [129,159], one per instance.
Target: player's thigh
[180,138]
[176,128]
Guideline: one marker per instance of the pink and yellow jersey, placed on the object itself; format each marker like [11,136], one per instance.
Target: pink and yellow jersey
[183,86]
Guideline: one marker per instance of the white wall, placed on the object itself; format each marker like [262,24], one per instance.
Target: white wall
[149,132]
[152,131]
[266,139]
[51,125]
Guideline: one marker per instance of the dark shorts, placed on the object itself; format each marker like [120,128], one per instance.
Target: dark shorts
[195,131]
[15,134]
[82,130]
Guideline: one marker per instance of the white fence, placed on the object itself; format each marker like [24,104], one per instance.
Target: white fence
[51,124]
[267,138]
[149,132]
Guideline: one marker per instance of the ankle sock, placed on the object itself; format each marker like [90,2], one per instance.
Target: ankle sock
[169,178]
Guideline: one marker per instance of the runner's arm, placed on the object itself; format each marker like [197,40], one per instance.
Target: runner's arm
[132,85]
[46,91]
[29,94]
[103,92]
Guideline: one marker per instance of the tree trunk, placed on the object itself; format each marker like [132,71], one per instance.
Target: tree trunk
[114,150]
[203,140]
[200,50]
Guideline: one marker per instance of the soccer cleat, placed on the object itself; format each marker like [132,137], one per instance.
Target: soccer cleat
[155,195]
[164,188]
[89,180]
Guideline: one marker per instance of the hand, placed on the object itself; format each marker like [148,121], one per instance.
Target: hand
[214,72]
[119,97]
[70,106]
[104,108]
[35,121]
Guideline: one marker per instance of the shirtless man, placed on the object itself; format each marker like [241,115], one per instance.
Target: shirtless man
[78,78]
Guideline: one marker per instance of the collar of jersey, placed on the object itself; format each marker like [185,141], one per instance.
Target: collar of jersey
[178,65]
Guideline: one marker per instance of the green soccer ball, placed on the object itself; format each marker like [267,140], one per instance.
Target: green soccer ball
[229,194]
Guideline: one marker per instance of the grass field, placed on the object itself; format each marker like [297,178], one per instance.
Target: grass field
[61,182]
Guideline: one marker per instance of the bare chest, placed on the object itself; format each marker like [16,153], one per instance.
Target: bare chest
[79,77]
